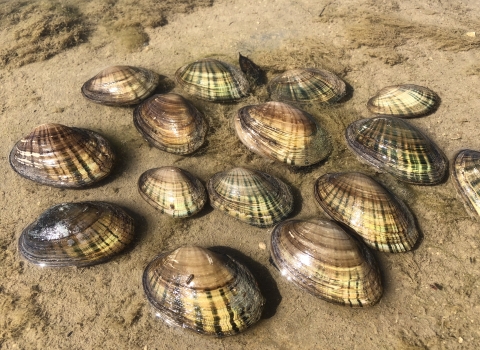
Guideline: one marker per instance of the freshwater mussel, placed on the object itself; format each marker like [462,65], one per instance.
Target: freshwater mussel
[198,289]
[307,85]
[173,191]
[61,156]
[213,80]
[171,123]
[77,234]
[399,148]
[282,132]
[466,178]
[326,261]
[360,202]
[251,196]
[121,85]
[407,100]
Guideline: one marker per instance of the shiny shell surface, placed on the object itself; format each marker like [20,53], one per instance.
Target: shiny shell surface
[121,85]
[406,100]
[307,85]
[466,178]
[213,80]
[324,260]
[61,156]
[360,202]
[77,234]
[251,196]
[209,293]
[282,132]
[171,123]
[173,191]
[397,147]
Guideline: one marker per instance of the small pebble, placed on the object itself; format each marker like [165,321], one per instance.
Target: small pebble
[460,340]
[262,246]
[471,34]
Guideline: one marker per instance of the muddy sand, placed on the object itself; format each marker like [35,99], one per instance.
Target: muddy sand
[49,49]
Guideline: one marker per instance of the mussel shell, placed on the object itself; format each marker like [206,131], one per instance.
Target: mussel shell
[282,132]
[394,145]
[405,100]
[197,289]
[360,202]
[61,156]
[77,234]
[324,260]
[307,85]
[171,123]
[251,196]
[121,85]
[466,178]
[173,191]
[213,80]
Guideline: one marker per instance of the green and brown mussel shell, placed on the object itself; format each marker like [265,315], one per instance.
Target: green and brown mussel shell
[466,178]
[209,293]
[77,234]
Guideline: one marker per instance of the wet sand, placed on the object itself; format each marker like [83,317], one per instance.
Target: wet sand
[431,298]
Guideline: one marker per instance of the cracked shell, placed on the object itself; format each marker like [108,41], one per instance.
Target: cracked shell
[324,260]
[251,196]
[173,191]
[282,132]
[61,156]
[77,234]
[466,178]
[213,80]
[209,293]
[360,202]
[121,85]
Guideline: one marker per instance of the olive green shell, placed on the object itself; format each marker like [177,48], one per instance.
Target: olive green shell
[171,123]
[466,178]
[173,191]
[251,196]
[397,147]
[209,293]
[121,85]
[324,260]
[282,132]
[360,202]
[61,156]
[307,85]
[213,80]
[77,234]
[406,100]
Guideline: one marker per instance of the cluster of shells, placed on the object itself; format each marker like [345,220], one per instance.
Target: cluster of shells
[212,293]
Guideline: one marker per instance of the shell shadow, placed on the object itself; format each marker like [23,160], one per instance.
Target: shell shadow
[265,280]
[165,85]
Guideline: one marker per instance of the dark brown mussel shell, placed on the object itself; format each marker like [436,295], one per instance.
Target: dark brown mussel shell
[360,202]
[77,234]
[171,123]
[209,293]
[399,148]
[466,178]
[61,156]
[324,260]
[121,85]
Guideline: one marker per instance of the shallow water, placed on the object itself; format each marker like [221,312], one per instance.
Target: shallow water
[431,297]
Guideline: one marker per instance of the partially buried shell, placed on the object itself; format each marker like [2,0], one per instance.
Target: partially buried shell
[282,132]
[62,156]
[321,258]
[173,191]
[121,85]
[358,201]
[213,80]
[307,85]
[210,293]
[396,146]
[171,123]
[251,196]
[406,100]
[77,234]
[466,178]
